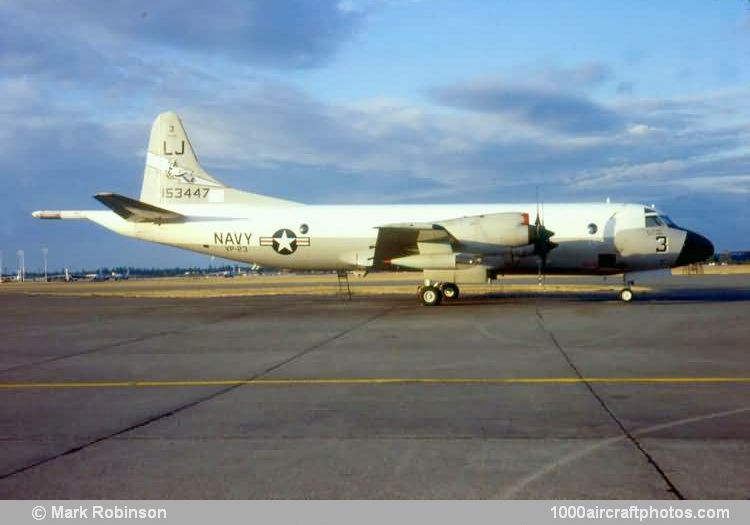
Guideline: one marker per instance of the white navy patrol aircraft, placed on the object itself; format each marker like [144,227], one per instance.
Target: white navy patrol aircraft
[181,205]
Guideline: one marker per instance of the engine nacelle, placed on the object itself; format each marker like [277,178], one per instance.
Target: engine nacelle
[481,233]
[492,241]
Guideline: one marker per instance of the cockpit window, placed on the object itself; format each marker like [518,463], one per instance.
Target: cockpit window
[667,221]
[648,210]
[653,221]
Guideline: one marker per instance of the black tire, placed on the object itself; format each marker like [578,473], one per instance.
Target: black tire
[450,291]
[625,295]
[430,296]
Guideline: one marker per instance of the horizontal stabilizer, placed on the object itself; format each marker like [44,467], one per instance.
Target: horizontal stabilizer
[136,211]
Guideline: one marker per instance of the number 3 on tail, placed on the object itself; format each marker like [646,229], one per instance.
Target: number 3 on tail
[661,243]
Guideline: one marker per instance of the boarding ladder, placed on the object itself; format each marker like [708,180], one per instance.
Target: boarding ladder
[345,290]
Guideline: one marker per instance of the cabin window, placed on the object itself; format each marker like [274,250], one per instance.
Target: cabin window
[592,228]
[304,228]
[652,221]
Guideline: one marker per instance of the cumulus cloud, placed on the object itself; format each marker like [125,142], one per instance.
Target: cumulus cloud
[465,154]
[540,107]
[282,34]
[550,98]
[273,129]
[737,184]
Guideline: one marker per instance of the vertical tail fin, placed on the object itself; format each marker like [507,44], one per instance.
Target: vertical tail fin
[173,174]
[172,167]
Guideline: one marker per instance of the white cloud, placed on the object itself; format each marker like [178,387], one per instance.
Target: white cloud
[640,129]
[735,184]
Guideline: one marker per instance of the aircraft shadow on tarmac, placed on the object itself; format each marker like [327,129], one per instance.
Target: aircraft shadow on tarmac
[666,296]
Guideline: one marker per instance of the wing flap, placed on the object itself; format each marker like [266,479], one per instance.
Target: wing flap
[136,211]
[403,239]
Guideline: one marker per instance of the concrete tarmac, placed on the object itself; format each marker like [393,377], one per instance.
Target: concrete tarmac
[516,395]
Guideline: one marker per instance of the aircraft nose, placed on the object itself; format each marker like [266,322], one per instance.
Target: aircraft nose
[696,249]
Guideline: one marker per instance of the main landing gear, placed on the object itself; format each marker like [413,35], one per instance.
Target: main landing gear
[450,291]
[432,294]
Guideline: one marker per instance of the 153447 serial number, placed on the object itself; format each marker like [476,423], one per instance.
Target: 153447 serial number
[184,193]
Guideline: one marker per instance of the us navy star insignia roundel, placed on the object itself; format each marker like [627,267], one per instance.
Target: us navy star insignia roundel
[284,241]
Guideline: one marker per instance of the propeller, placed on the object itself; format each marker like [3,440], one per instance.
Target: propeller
[542,243]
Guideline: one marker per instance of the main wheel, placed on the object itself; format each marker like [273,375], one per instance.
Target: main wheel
[626,295]
[450,291]
[430,296]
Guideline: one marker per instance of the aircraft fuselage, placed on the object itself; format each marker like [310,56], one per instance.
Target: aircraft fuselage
[332,237]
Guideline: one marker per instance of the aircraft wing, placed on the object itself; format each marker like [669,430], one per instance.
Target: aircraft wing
[401,240]
[443,243]
[137,211]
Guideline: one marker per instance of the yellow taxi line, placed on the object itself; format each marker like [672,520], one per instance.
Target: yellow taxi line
[372,381]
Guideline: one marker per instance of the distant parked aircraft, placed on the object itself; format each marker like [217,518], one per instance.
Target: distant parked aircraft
[118,276]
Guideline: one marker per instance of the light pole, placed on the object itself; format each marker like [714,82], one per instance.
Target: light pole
[45,251]
[21,266]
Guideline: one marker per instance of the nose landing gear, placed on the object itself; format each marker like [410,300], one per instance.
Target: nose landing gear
[625,295]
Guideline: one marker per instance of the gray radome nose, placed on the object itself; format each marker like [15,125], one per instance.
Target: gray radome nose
[696,249]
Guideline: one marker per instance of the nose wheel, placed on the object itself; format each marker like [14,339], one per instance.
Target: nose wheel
[625,295]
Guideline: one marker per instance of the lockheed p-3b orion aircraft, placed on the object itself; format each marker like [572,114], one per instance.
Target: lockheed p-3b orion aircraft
[181,205]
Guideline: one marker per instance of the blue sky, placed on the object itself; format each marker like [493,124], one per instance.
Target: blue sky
[373,102]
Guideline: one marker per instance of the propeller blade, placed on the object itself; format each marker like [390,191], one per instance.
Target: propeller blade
[542,243]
